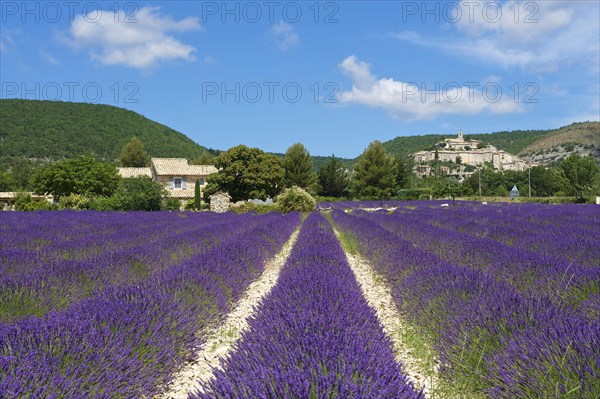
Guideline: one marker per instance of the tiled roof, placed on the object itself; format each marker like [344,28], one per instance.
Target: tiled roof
[134,172]
[180,193]
[180,167]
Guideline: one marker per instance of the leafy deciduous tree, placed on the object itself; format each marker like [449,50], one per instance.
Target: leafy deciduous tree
[545,182]
[579,173]
[246,173]
[7,182]
[83,175]
[139,194]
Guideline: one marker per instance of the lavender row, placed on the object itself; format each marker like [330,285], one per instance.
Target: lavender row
[36,276]
[127,341]
[503,343]
[314,335]
[569,232]
[556,278]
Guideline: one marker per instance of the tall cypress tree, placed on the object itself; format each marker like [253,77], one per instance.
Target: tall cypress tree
[332,179]
[298,167]
[197,194]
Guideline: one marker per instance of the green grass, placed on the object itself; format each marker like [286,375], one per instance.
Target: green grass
[420,345]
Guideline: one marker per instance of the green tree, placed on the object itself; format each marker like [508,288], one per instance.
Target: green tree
[7,182]
[197,199]
[375,172]
[545,182]
[246,173]
[203,159]
[404,171]
[489,180]
[295,199]
[133,154]
[447,187]
[332,179]
[297,163]
[139,194]
[579,174]
[83,175]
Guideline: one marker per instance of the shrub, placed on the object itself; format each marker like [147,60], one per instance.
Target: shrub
[321,198]
[295,199]
[256,208]
[171,204]
[408,194]
[139,194]
[104,204]
[24,202]
[75,201]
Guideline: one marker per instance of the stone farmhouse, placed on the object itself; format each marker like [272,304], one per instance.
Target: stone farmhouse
[178,177]
[467,152]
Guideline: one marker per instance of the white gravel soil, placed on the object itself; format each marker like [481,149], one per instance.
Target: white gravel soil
[221,339]
[377,293]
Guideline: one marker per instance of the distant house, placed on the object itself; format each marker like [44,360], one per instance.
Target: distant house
[178,177]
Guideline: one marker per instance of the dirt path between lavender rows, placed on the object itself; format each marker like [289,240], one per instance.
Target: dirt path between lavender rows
[378,294]
[221,339]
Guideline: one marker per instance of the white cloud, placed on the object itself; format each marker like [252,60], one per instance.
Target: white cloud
[113,39]
[285,36]
[419,101]
[49,58]
[541,36]
[209,59]
[7,38]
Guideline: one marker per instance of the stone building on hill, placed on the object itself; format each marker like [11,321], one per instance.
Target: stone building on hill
[178,177]
[466,155]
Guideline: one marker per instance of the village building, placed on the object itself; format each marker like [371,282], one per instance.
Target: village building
[466,152]
[178,177]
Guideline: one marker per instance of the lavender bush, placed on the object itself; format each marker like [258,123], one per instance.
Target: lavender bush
[112,331]
[490,331]
[313,335]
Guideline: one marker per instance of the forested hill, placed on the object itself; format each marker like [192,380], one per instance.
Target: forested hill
[514,142]
[51,130]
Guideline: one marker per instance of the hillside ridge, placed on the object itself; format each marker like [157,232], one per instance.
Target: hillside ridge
[52,130]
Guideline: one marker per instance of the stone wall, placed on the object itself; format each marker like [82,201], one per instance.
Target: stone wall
[219,202]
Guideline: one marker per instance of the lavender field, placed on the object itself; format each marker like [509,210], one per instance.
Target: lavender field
[114,305]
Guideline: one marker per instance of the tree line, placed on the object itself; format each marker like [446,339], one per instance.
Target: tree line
[250,173]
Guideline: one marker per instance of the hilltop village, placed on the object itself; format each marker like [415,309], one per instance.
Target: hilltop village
[460,158]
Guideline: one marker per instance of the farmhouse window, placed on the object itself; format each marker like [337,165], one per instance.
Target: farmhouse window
[177,182]
[201,181]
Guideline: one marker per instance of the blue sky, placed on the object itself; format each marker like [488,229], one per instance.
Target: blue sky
[332,75]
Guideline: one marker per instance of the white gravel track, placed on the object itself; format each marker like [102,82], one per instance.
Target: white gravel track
[378,294]
[221,339]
